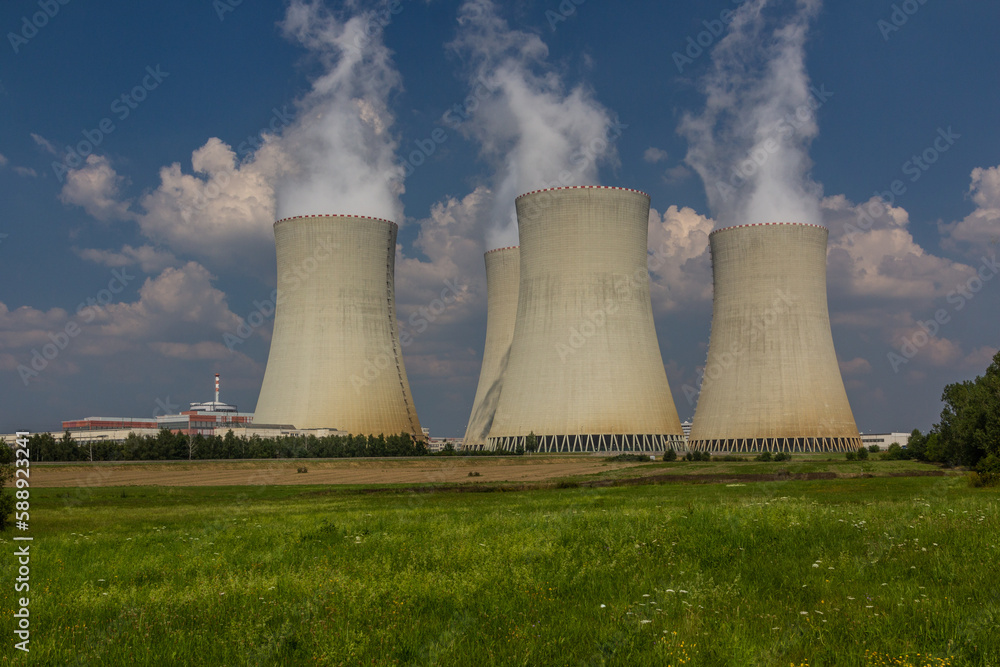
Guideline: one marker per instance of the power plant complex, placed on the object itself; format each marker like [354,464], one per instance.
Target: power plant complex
[336,359]
[772,381]
[571,355]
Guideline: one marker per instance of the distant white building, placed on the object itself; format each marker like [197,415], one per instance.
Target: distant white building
[884,440]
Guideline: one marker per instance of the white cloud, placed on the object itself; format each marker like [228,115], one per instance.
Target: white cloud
[26,172]
[178,314]
[680,262]
[96,187]
[654,155]
[224,211]
[149,259]
[44,143]
[978,232]
[3,160]
[880,259]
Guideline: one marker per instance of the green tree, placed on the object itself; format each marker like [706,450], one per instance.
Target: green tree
[970,420]
[531,443]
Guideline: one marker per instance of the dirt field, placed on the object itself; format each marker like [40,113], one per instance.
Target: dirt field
[340,471]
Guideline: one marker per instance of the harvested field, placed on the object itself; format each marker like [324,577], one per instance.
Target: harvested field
[337,471]
[525,472]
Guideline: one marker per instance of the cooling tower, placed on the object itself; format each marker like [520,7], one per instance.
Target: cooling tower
[585,372]
[335,359]
[772,381]
[502,276]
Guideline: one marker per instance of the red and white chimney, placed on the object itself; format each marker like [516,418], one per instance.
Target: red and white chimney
[216,387]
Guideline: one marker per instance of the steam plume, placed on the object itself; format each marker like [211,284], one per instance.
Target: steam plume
[341,144]
[534,133]
[750,143]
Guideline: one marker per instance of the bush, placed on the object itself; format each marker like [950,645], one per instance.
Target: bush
[6,474]
[782,456]
[862,454]
[851,456]
[302,470]
[474,474]
[896,453]
[763,456]
[874,449]
[567,485]
[979,480]
[629,457]
[670,455]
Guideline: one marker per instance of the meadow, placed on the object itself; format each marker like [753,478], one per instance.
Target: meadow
[861,571]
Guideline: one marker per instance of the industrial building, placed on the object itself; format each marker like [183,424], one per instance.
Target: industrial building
[335,358]
[503,267]
[885,440]
[772,381]
[585,371]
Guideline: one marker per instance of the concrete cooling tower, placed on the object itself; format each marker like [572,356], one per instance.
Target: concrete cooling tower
[771,381]
[502,276]
[585,372]
[335,359]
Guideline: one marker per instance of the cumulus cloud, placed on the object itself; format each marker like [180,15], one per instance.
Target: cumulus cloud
[342,147]
[179,314]
[224,211]
[979,231]
[873,255]
[96,187]
[533,132]
[680,263]
[148,258]
[750,142]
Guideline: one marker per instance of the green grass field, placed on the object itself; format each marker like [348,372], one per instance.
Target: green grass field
[878,571]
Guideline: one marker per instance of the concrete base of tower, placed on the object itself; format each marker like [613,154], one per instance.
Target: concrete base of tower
[803,445]
[616,442]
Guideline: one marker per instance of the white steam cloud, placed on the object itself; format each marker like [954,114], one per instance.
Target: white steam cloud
[341,145]
[750,143]
[534,133]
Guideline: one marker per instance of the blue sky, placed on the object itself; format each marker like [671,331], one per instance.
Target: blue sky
[188,270]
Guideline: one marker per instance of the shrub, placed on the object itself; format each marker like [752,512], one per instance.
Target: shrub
[303,469]
[978,480]
[670,455]
[474,474]
[851,456]
[874,449]
[862,454]
[763,456]
[629,457]
[896,453]
[567,485]
[782,456]
[6,474]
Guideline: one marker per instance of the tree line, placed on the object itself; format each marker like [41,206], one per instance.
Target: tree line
[169,446]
